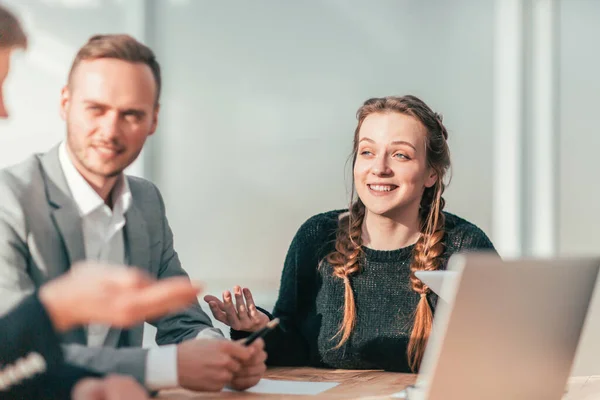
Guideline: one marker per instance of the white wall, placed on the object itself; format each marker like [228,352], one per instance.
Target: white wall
[579,141]
[259,111]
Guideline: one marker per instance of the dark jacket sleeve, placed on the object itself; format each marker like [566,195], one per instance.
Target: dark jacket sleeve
[31,351]
[55,384]
[27,329]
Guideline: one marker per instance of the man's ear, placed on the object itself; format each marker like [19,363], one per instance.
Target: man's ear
[154,120]
[65,101]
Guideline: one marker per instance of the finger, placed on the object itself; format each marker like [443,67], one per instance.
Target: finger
[233,365]
[238,351]
[249,298]
[241,306]
[258,345]
[216,302]
[114,277]
[88,389]
[256,364]
[256,348]
[260,358]
[168,294]
[124,280]
[92,267]
[252,370]
[210,298]
[257,360]
[252,311]
[219,376]
[232,316]
[156,300]
[122,276]
[218,313]
[124,387]
[223,377]
[243,383]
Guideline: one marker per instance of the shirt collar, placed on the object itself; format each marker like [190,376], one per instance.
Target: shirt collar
[84,195]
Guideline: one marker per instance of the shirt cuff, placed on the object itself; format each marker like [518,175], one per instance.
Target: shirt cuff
[161,367]
[210,333]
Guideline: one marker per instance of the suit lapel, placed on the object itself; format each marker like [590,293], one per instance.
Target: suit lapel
[68,224]
[66,220]
[137,248]
[63,208]
[137,240]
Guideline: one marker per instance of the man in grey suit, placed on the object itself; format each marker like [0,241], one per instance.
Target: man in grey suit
[74,203]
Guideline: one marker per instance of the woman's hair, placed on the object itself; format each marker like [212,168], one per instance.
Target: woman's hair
[346,257]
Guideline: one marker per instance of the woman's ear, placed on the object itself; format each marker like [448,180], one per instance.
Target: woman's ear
[431,179]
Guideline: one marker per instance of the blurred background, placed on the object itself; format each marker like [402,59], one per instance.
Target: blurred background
[259,101]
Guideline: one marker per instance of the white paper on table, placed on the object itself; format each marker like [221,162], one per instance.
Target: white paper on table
[270,386]
[411,393]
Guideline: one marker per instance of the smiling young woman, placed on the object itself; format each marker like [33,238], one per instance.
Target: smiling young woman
[349,297]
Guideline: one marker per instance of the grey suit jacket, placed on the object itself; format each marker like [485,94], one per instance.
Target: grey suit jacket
[41,236]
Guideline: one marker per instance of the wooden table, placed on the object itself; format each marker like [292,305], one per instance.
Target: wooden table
[364,385]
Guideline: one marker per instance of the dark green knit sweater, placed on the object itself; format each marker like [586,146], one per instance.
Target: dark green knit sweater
[311,301]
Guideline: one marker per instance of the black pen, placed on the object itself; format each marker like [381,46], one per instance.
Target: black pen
[262,332]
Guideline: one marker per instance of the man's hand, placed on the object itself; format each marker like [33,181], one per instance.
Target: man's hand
[210,364]
[110,388]
[116,295]
[252,370]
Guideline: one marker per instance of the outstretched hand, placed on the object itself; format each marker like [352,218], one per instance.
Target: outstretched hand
[117,295]
[243,316]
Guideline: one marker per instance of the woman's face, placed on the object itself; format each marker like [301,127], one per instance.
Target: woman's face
[391,170]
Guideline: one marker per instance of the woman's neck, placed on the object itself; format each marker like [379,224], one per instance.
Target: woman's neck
[380,232]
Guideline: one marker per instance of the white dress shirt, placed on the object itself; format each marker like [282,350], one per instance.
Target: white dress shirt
[103,241]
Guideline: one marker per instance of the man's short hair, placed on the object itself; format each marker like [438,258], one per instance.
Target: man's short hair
[120,47]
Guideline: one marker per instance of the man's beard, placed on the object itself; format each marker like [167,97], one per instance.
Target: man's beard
[79,152]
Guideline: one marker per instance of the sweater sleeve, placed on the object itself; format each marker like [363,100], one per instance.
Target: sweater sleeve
[473,239]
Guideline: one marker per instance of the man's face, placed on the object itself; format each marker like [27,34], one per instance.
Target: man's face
[110,110]
[5,53]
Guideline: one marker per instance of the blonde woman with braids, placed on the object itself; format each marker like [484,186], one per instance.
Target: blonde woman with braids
[349,297]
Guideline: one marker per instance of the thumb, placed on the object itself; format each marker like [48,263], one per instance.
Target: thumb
[209,297]
[89,389]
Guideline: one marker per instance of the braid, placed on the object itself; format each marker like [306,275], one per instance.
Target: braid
[426,257]
[345,262]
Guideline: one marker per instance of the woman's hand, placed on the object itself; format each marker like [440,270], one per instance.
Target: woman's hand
[241,316]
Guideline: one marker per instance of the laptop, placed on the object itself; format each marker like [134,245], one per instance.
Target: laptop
[587,356]
[435,280]
[507,329]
